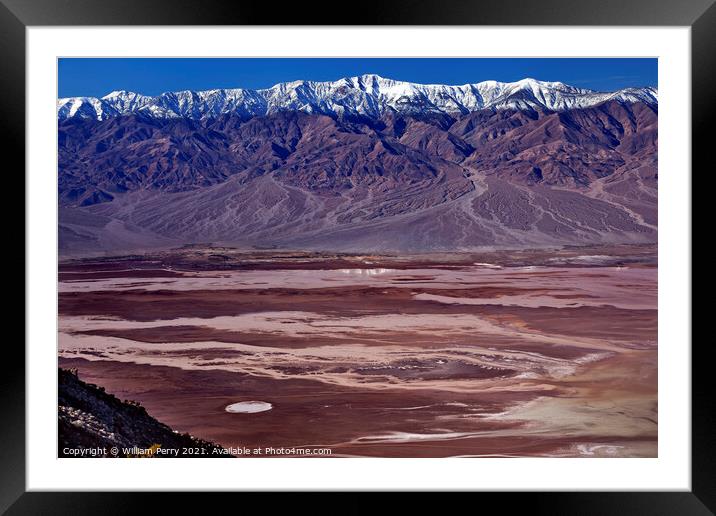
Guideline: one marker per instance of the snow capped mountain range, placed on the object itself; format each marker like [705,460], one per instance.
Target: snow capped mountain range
[366,95]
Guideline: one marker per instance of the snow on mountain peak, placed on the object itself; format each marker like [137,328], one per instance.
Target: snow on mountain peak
[365,95]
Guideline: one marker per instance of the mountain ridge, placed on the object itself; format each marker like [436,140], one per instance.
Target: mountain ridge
[402,183]
[367,95]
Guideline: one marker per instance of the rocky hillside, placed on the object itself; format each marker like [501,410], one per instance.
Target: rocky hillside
[91,419]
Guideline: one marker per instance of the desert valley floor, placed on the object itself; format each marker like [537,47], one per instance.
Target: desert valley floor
[508,353]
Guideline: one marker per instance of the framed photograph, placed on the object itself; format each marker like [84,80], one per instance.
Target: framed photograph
[438,249]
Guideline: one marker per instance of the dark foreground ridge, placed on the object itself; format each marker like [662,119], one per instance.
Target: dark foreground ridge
[91,419]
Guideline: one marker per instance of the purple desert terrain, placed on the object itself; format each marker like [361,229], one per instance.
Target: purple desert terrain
[374,267]
[411,177]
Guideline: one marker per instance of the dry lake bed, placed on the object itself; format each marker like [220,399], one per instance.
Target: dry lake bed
[549,353]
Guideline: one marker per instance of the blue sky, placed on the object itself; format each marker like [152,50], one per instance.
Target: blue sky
[151,76]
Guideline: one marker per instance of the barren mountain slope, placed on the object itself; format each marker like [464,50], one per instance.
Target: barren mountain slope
[398,183]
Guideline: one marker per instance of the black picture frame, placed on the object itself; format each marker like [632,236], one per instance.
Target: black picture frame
[17,15]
